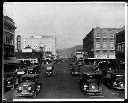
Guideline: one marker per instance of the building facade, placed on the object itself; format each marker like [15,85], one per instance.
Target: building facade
[8,36]
[48,43]
[100,43]
[120,46]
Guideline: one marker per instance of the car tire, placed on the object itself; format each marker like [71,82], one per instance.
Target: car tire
[13,86]
[35,94]
[39,88]
[93,85]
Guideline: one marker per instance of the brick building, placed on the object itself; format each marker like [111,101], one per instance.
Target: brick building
[8,36]
[100,43]
[120,46]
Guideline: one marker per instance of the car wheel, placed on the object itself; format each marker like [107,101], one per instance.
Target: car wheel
[35,94]
[13,86]
[38,88]
[93,86]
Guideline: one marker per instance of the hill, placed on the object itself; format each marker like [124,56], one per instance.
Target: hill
[66,52]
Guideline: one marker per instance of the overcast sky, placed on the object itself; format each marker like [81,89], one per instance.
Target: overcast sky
[68,22]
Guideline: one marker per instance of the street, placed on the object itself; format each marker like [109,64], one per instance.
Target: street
[62,85]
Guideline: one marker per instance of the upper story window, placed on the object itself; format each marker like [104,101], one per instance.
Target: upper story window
[104,36]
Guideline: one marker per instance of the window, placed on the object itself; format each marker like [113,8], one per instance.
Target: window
[104,36]
[97,40]
[123,48]
[98,36]
[117,48]
[97,46]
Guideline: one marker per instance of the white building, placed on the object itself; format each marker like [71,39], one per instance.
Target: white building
[35,42]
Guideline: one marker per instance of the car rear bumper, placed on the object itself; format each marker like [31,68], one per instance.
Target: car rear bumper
[76,73]
[93,91]
[23,94]
[119,88]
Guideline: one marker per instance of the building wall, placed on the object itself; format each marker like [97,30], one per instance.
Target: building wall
[103,42]
[8,36]
[120,45]
[35,42]
[88,45]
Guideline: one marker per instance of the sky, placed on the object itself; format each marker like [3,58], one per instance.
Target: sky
[68,22]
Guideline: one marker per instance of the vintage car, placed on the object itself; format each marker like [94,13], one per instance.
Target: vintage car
[34,69]
[90,83]
[10,80]
[71,66]
[49,71]
[112,75]
[115,79]
[30,86]
[105,65]
[76,70]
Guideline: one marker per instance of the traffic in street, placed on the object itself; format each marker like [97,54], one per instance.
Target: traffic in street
[62,85]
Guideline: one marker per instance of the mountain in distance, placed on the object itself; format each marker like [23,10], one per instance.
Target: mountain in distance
[66,52]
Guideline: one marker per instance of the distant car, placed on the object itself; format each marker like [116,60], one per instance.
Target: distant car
[10,80]
[90,83]
[75,71]
[35,69]
[30,86]
[49,71]
[71,66]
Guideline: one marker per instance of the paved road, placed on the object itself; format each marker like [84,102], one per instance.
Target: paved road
[64,86]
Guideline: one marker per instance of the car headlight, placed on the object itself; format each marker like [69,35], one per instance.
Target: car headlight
[20,88]
[85,86]
[121,84]
[110,68]
[114,83]
[29,88]
[8,82]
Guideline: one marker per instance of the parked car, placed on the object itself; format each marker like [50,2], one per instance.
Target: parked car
[10,80]
[90,83]
[112,75]
[115,79]
[30,86]
[75,70]
[35,69]
[71,66]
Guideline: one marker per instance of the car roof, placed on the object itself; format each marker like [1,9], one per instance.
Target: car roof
[30,75]
[91,73]
[27,83]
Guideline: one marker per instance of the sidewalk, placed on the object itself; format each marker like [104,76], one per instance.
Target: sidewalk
[8,96]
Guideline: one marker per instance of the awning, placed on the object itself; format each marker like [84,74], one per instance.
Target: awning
[8,60]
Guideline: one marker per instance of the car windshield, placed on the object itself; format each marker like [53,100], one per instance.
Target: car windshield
[120,77]
[28,79]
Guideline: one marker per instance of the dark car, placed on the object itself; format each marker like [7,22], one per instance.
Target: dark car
[90,83]
[115,79]
[49,71]
[35,69]
[30,86]
[106,65]
[10,80]
[71,66]
[76,70]
[110,74]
